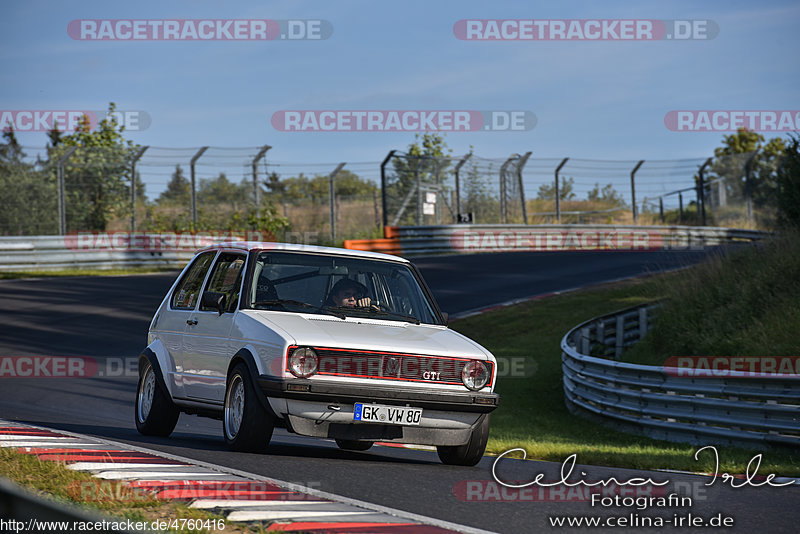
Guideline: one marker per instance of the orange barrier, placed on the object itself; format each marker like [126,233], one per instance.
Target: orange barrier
[387,246]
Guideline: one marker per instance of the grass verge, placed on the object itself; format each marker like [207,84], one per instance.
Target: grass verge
[532,414]
[52,480]
[13,275]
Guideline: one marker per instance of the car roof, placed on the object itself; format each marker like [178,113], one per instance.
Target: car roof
[292,247]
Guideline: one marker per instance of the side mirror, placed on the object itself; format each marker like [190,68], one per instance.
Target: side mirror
[446,317]
[213,301]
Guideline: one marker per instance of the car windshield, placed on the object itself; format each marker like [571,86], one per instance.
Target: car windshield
[340,286]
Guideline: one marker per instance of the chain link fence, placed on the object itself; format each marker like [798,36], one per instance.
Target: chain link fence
[49,192]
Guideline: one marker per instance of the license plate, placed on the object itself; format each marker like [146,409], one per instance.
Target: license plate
[391,415]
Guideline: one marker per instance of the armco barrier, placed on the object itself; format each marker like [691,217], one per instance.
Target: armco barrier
[733,408]
[447,239]
[44,253]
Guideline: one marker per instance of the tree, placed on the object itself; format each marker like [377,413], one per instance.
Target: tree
[788,180]
[426,163]
[547,191]
[731,160]
[29,194]
[607,196]
[97,175]
[220,190]
[178,191]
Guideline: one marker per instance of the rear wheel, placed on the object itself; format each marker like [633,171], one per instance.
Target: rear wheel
[353,445]
[246,424]
[471,452]
[156,414]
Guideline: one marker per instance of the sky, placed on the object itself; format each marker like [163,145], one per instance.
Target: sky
[592,99]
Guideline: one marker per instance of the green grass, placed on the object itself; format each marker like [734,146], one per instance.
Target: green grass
[12,275]
[532,412]
[744,304]
[52,480]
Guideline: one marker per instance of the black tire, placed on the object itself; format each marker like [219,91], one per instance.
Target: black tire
[156,414]
[246,424]
[353,445]
[471,452]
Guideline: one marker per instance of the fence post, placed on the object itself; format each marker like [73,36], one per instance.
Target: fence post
[748,186]
[194,185]
[417,180]
[558,199]
[458,183]
[133,186]
[633,192]
[503,200]
[386,160]
[520,165]
[256,200]
[62,209]
[701,191]
[332,180]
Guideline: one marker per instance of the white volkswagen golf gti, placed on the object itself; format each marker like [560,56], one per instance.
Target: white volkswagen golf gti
[324,342]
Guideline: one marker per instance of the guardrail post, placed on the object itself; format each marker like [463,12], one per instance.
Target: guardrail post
[133,186]
[642,321]
[332,180]
[386,160]
[256,200]
[701,191]
[558,196]
[194,185]
[520,165]
[633,192]
[458,183]
[62,209]
[748,186]
[620,334]
[585,333]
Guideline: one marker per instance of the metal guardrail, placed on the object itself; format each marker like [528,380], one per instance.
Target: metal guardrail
[474,238]
[650,400]
[23,511]
[44,253]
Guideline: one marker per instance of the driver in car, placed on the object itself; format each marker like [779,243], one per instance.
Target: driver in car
[348,293]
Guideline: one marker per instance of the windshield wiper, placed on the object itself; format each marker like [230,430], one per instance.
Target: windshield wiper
[374,311]
[304,305]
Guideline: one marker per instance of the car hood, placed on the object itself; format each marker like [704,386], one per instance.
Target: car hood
[369,334]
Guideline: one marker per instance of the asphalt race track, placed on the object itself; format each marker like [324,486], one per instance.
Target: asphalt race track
[106,318]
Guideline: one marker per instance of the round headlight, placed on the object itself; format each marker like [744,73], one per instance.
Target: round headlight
[475,375]
[303,362]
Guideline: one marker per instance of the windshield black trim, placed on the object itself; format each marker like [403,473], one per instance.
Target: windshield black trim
[253,259]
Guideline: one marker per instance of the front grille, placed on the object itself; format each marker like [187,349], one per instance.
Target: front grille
[391,366]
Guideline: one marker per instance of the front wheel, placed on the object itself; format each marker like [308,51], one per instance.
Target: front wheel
[156,414]
[471,452]
[246,424]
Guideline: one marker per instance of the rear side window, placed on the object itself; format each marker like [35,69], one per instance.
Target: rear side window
[187,293]
[226,278]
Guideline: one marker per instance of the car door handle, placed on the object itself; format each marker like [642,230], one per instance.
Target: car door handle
[191,322]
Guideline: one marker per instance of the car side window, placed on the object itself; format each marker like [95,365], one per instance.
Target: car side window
[226,278]
[187,293]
